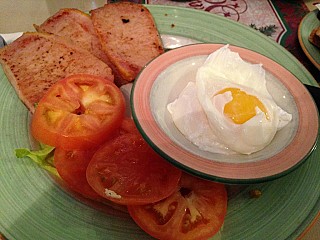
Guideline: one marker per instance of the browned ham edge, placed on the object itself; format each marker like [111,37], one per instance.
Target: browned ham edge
[128,36]
[77,27]
[35,61]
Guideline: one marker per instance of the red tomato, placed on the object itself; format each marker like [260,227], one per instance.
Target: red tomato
[72,165]
[78,112]
[195,211]
[127,126]
[126,170]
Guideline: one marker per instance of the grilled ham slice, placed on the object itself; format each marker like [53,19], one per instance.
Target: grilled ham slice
[77,27]
[35,61]
[128,36]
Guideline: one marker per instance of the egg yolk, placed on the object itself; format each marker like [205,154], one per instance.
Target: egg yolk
[242,107]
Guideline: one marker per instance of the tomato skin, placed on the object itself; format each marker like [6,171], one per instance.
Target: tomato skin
[71,166]
[78,112]
[195,211]
[128,167]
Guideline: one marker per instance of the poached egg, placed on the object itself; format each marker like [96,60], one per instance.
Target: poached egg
[228,109]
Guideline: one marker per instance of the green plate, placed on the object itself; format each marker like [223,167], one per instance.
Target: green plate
[308,23]
[33,206]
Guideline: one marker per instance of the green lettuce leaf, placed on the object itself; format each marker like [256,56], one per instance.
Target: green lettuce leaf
[43,157]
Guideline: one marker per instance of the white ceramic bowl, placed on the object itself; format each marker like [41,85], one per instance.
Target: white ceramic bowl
[163,79]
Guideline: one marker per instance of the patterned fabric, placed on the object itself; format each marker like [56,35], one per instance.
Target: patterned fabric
[250,13]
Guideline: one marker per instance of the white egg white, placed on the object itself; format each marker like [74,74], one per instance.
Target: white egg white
[225,65]
[192,122]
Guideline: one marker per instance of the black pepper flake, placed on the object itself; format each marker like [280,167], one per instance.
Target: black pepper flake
[172,25]
[124,20]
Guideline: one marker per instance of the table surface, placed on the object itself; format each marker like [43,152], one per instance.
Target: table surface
[35,11]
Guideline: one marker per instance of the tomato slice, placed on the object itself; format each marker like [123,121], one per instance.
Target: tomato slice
[195,211]
[126,170]
[72,165]
[78,112]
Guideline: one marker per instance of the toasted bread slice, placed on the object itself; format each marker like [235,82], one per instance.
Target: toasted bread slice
[77,27]
[35,61]
[128,36]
